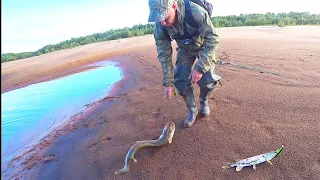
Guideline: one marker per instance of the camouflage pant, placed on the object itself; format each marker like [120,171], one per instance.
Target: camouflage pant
[184,63]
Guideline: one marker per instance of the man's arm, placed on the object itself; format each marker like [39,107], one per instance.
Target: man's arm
[164,49]
[210,44]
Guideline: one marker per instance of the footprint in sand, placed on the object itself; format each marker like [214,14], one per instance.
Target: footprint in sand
[157,112]
[104,140]
[143,89]
[265,130]
[233,102]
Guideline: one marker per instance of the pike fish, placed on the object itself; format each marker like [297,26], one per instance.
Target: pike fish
[253,161]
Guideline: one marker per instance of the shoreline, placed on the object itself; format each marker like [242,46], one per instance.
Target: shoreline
[73,62]
[32,155]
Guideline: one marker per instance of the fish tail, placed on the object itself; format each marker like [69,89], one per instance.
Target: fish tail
[226,165]
[122,171]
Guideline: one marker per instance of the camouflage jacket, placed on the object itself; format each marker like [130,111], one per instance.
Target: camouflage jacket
[205,43]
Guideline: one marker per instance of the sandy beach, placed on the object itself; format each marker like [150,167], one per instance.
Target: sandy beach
[269,97]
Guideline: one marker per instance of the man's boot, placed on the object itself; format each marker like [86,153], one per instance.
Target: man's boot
[191,105]
[204,104]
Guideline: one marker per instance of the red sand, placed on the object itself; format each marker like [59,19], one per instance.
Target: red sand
[270,97]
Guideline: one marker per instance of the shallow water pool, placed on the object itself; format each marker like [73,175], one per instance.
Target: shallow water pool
[29,112]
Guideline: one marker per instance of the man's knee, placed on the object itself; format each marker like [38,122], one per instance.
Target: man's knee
[208,80]
[209,87]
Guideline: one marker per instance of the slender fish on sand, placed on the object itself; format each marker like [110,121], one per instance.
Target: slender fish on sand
[164,138]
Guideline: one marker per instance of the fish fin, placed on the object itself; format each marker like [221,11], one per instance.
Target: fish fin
[238,168]
[254,166]
[269,162]
[155,138]
[226,165]
[133,159]
[122,171]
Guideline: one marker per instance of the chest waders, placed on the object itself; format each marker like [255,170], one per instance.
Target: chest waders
[184,87]
[182,71]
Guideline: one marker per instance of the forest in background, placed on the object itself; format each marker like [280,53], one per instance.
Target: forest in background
[280,19]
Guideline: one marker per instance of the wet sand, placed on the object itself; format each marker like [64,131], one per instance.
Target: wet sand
[269,97]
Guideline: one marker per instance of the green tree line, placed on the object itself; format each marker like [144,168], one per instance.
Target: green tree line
[280,19]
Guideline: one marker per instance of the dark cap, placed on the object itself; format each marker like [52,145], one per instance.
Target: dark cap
[159,9]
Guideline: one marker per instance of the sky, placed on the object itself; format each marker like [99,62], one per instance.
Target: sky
[28,25]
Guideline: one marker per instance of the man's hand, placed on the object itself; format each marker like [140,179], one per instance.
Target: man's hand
[195,76]
[168,92]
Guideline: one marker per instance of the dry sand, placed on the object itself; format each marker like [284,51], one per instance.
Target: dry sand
[269,97]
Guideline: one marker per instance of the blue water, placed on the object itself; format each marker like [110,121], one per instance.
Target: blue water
[29,112]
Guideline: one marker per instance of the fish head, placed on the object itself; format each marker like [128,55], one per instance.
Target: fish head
[269,155]
[273,154]
[168,131]
[278,151]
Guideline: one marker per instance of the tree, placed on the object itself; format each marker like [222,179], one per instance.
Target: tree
[281,24]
